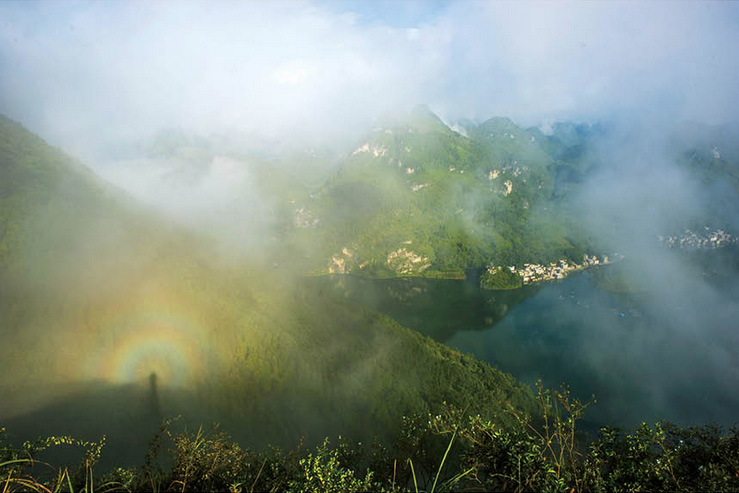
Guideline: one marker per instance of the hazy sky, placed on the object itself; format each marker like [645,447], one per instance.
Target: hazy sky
[85,73]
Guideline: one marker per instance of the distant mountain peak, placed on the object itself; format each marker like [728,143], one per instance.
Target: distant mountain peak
[420,119]
[498,121]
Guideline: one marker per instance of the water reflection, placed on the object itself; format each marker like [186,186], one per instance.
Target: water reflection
[437,308]
[667,353]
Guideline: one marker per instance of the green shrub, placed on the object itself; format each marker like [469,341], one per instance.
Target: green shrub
[322,471]
[500,278]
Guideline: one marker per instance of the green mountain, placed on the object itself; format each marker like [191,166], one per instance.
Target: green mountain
[710,154]
[417,198]
[110,316]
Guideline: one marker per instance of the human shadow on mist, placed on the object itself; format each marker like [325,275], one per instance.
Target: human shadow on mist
[129,416]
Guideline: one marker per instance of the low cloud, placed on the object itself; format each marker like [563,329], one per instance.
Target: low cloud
[88,75]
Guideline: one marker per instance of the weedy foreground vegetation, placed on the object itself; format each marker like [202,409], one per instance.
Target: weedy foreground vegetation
[449,451]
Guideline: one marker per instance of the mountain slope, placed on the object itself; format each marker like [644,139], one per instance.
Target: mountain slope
[418,198]
[98,295]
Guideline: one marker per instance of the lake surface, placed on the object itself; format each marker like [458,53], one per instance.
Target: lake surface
[668,354]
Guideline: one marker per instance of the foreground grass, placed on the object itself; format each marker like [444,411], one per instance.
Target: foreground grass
[449,451]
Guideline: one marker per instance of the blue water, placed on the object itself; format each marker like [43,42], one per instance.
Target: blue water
[669,355]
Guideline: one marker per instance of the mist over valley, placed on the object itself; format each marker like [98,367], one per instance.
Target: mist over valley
[346,218]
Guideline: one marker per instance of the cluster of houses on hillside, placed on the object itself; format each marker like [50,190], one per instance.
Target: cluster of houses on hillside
[693,241]
[531,273]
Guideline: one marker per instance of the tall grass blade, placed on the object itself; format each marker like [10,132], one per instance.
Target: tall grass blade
[15,461]
[69,480]
[413,473]
[459,477]
[251,490]
[443,459]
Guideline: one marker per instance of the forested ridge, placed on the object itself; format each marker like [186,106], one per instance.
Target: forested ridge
[108,298]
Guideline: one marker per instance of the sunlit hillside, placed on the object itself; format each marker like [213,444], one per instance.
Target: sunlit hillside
[420,198]
[103,303]
[414,197]
[340,245]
